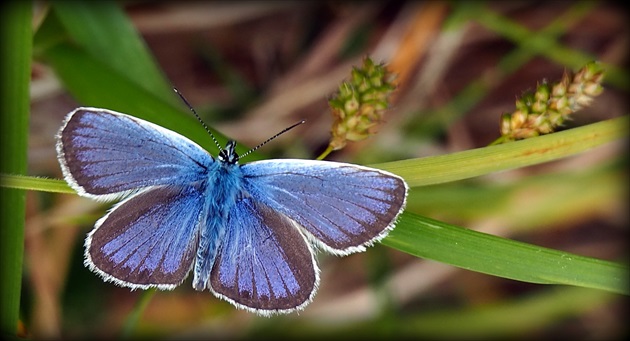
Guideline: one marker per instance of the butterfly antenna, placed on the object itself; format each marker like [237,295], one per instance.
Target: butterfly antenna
[273,137]
[198,118]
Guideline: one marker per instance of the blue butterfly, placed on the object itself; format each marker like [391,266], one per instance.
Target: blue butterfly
[247,232]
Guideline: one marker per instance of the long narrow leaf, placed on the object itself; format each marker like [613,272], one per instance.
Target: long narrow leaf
[96,84]
[103,30]
[30,183]
[431,239]
[486,160]
[15,68]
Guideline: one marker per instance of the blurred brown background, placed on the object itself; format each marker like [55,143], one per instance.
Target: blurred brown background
[252,68]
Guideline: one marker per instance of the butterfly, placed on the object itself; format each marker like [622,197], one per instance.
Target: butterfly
[247,232]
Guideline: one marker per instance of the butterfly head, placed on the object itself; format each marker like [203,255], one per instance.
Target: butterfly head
[228,154]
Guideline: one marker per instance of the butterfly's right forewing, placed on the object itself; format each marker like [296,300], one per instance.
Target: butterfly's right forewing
[105,154]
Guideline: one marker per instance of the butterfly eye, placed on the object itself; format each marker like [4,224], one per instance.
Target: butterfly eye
[228,155]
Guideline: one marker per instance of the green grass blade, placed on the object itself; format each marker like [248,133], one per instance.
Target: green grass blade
[486,160]
[16,42]
[480,252]
[30,183]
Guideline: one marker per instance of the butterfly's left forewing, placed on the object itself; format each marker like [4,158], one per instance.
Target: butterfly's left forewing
[341,207]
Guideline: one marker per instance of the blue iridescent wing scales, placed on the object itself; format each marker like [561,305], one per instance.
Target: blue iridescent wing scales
[265,263]
[106,155]
[341,207]
[149,239]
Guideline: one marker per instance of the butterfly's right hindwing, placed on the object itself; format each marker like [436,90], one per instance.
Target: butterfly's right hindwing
[148,240]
